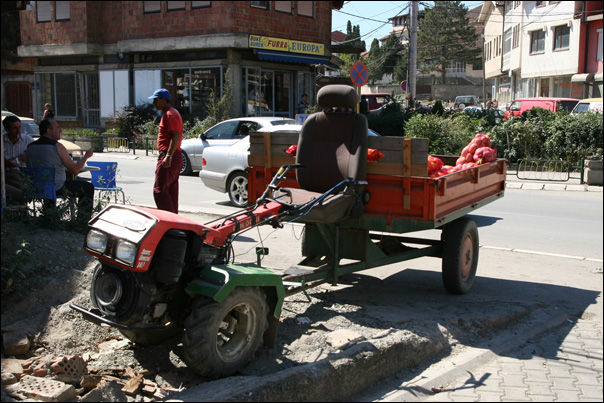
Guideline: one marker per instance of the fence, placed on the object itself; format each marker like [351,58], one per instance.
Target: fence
[544,170]
[123,145]
[118,144]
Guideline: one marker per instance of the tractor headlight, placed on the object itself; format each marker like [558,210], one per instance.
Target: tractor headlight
[125,251]
[97,241]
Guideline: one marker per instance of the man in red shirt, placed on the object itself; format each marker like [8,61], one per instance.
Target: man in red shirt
[169,163]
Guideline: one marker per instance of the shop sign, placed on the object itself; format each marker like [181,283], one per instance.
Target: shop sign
[286,45]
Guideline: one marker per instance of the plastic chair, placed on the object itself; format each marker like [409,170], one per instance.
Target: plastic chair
[40,184]
[104,179]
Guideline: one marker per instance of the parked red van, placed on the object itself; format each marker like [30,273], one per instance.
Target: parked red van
[375,101]
[552,104]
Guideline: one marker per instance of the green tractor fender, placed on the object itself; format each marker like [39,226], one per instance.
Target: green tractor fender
[217,282]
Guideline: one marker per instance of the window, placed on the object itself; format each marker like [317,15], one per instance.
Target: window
[176,5]
[455,68]
[284,6]
[537,41]
[507,44]
[62,12]
[516,37]
[259,4]
[562,37]
[306,8]
[60,89]
[151,6]
[43,11]
[599,56]
[200,4]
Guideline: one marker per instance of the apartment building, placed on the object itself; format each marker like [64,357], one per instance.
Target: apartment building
[543,48]
[93,58]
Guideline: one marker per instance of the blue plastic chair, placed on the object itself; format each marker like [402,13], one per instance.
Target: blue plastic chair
[104,179]
[40,184]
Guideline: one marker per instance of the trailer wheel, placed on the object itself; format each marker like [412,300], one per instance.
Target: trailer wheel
[221,337]
[460,255]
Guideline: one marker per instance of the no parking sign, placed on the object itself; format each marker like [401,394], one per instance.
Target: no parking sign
[404,85]
[359,74]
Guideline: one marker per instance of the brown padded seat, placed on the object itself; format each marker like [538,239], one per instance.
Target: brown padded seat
[332,147]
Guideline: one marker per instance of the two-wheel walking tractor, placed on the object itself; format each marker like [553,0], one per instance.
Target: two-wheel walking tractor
[159,274]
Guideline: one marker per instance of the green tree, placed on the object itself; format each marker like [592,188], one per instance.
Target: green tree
[402,66]
[445,35]
[374,62]
[353,38]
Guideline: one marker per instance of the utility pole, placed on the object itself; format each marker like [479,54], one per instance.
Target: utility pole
[412,68]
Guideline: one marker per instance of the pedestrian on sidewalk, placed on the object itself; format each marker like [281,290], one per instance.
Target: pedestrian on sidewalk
[169,162]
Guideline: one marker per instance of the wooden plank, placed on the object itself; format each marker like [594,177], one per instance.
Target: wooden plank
[267,150]
[407,157]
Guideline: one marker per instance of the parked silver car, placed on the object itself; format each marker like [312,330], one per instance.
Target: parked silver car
[224,133]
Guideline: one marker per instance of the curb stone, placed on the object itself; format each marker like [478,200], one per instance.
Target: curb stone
[335,378]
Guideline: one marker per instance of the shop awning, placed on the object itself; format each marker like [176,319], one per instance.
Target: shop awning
[582,78]
[287,57]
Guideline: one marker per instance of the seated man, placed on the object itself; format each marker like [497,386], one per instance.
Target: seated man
[47,151]
[15,148]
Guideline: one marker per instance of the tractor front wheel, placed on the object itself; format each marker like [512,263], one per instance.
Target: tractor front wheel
[220,337]
[460,255]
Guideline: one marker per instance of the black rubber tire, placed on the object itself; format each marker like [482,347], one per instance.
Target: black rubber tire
[149,337]
[186,165]
[221,337]
[237,189]
[460,255]
[121,295]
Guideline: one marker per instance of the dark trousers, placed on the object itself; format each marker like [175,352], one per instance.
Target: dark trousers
[83,191]
[165,189]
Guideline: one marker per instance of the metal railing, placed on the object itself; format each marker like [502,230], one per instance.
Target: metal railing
[543,170]
[151,145]
[118,144]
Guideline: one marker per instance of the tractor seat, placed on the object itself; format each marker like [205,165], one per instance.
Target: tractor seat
[332,147]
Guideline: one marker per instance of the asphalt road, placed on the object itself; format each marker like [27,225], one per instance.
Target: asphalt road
[556,222]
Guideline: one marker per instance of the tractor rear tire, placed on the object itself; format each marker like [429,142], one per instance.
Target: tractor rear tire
[222,337]
[460,255]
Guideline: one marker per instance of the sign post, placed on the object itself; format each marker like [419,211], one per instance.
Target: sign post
[359,75]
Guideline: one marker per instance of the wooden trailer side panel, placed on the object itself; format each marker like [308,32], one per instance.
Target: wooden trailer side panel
[399,184]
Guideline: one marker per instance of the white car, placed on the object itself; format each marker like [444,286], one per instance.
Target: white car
[225,133]
[225,168]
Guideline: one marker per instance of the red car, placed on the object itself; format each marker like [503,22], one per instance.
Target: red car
[551,104]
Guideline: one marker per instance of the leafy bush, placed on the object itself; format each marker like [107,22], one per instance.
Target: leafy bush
[438,108]
[128,120]
[448,136]
[541,134]
[196,126]
[80,132]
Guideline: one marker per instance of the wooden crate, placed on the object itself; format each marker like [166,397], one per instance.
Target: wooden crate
[404,157]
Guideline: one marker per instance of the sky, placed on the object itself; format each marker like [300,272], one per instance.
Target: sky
[372,16]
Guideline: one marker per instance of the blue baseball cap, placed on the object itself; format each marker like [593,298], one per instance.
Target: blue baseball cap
[161,93]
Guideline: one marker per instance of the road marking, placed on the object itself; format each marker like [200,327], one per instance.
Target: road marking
[534,252]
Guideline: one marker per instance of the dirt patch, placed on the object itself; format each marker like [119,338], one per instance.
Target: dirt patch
[52,270]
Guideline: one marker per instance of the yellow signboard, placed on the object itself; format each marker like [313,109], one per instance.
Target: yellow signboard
[286,45]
